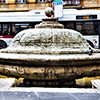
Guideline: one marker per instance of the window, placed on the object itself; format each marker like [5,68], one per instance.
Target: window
[71,2]
[4,29]
[76,1]
[19,27]
[2,1]
[87,28]
[69,25]
[42,0]
[21,1]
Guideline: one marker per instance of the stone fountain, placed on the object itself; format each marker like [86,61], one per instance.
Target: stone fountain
[49,53]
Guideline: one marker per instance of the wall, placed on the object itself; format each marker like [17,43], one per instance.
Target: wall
[10,5]
[10,1]
[90,3]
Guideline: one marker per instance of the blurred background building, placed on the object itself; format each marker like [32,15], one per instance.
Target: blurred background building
[82,4]
[23,5]
[26,5]
[91,4]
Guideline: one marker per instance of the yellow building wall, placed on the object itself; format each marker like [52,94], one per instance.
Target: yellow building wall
[88,3]
[31,0]
[12,6]
[98,1]
[11,1]
[32,5]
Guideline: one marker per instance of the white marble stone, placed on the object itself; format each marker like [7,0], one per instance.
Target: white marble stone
[6,83]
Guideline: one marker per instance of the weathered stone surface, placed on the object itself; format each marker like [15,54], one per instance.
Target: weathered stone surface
[49,52]
[48,41]
[5,83]
[50,67]
[49,12]
[50,94]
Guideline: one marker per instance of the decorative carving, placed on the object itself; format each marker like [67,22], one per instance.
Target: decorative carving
[51,73]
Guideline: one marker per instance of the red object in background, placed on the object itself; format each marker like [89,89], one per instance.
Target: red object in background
[53,7]
[7,36]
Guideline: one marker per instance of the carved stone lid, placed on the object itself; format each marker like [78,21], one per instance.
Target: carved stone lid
[49,23]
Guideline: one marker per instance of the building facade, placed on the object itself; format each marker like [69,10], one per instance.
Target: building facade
[74,4]
[91,4]
[23,5]
[82,4]
[26,5]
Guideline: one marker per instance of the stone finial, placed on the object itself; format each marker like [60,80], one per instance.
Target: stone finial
[49,11]
[49,22]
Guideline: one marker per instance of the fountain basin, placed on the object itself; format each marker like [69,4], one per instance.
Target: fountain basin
[50,67]
[50,52]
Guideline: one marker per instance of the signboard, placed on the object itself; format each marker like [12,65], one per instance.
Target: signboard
[58,8]
[87,17]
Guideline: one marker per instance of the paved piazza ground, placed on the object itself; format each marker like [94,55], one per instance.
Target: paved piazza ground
[50,94]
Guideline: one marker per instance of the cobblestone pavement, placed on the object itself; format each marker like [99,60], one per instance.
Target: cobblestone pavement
[50,94]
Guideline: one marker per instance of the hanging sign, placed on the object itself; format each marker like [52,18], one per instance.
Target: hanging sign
[58,8]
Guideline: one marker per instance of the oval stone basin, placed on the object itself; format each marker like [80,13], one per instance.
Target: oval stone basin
[49,52]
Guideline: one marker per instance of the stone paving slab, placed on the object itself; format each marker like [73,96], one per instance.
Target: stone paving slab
[62,90]
[50,94]
[55,96]
[11,95]
[86,96]
[6,83]
[96,83]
